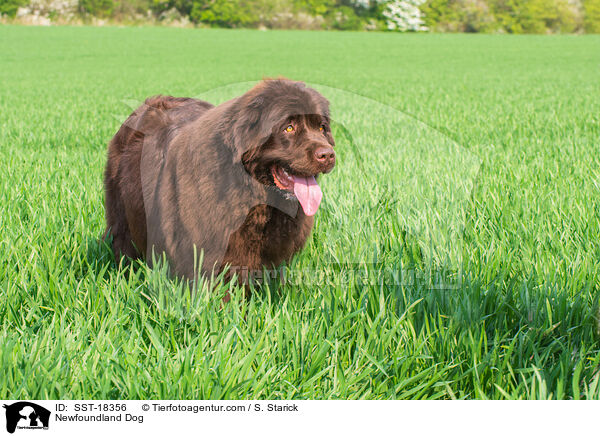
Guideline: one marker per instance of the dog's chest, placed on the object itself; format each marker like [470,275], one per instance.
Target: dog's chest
[284,236]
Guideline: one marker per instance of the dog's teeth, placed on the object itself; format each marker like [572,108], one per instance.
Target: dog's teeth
[285,172]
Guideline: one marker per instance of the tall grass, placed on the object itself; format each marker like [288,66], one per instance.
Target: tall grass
[522,323]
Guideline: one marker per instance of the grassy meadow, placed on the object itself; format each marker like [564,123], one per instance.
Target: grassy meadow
[521,320]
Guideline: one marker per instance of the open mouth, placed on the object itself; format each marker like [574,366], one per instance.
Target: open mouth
[305,188]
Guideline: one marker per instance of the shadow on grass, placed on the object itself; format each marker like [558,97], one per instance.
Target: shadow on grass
[97,259]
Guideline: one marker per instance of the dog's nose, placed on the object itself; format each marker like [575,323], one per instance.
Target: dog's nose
[325,155]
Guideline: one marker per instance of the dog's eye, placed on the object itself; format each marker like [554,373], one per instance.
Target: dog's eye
[321,128]
[289,128]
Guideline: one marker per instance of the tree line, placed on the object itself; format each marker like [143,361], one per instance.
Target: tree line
[484,16]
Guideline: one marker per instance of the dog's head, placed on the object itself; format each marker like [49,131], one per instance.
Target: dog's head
[284,139]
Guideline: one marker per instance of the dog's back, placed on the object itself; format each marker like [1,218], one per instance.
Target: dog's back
[124,202]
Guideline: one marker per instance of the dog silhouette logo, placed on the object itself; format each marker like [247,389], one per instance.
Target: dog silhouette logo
[26,415]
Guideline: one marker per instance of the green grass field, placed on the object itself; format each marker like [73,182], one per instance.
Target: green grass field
[523,322]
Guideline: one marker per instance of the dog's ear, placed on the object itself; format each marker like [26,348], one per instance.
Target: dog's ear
[253,126]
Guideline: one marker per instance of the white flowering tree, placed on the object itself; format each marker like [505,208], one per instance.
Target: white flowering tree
[404,15]
[400,15]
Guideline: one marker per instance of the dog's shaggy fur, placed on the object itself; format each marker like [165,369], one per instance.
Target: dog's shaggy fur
[184,176]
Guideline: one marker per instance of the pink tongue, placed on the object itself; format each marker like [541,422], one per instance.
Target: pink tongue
[308,194]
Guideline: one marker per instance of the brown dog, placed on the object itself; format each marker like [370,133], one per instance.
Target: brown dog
[236,181]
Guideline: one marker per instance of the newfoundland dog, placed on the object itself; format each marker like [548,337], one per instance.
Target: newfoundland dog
[209,186]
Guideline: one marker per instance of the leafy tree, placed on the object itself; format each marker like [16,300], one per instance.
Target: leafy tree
[591,20]
[97,8]
[184,7]
[344,18]
[10,7]
[226,13]
[440,15]
[316,7]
